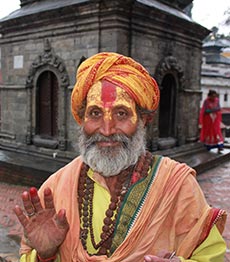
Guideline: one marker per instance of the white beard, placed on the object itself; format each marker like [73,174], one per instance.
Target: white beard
[110,161]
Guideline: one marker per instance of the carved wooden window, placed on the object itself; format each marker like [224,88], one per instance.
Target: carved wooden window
[47,105]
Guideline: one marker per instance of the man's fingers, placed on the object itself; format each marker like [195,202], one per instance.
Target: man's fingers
[27,203]
[48,198]
[61,219]
[20,215]
[164,254]
[35,199]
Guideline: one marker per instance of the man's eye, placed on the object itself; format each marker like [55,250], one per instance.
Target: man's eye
[121,114]
[95,113]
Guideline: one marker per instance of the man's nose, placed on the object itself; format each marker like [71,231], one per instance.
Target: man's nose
[107,127]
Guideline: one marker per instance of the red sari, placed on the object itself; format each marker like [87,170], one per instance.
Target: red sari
[210,121]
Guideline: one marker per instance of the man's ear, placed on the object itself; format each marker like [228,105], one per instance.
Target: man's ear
[147,118]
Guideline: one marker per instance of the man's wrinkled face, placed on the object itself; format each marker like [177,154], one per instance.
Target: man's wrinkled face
[112,136]
[109,110]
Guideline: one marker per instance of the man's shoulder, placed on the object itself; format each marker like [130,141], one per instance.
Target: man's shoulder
[68,170]
[172,166]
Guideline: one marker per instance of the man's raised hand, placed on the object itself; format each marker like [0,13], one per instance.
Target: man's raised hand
[44,229]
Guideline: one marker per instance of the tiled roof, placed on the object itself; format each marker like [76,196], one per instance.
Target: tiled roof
[40,6]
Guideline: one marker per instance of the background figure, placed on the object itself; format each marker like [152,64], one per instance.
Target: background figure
[210,121]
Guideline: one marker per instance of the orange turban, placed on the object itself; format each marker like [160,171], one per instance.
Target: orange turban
[121,71]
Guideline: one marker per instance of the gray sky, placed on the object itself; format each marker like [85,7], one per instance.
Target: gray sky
[208,13]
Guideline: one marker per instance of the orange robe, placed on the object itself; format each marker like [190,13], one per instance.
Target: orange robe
[172,214]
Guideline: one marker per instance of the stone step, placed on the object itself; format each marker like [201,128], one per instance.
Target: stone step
[30,170]
[197,156]
[24,169]
[203,161]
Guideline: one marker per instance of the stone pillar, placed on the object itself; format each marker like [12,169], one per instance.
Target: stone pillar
[62,118]
[29,116]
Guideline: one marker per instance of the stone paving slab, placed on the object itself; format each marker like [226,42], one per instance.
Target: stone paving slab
[10,229]
[8,246]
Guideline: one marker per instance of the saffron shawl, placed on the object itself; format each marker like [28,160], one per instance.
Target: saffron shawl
[173,214]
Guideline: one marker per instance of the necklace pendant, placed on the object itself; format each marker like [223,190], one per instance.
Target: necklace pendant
[123,191]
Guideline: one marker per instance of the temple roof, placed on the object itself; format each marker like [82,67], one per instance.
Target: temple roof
[34,7]
[29,7]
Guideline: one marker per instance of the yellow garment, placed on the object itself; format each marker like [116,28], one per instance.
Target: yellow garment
[32,257]
[156,227]
[101,202]
[120,70]
[214,244]
[211,250]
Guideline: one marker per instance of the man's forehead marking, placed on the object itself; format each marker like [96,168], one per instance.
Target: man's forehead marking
[108,93]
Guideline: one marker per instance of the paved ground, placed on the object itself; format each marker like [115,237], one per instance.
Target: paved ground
[216,186]
[10,230]
[215,183]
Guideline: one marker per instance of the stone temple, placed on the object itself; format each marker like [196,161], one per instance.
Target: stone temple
[43,42]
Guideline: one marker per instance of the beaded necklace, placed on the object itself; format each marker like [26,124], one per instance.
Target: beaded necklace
[125,179]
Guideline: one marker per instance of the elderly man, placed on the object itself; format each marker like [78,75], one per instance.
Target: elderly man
[116,201]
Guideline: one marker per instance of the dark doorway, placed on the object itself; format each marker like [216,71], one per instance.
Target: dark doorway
[167,110]
[47,105]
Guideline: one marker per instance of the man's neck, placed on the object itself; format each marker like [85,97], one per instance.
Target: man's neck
[111,183]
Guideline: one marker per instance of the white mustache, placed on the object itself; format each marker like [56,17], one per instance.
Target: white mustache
[92,140]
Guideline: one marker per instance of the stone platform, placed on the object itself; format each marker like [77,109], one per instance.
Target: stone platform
[30,170]
[196,156]
[24,169]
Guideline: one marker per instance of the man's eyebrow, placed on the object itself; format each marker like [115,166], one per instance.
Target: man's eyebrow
[122,107]
[94,107]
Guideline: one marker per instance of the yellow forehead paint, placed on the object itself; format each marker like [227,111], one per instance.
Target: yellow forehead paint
[107,96]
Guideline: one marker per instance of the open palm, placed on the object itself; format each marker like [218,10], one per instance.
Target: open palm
[44,229]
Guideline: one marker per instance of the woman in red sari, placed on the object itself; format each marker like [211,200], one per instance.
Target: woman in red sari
[210,121]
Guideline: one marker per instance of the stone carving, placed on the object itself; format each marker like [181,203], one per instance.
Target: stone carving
[50,61]
[48,58]
[170,64]
[62,145]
